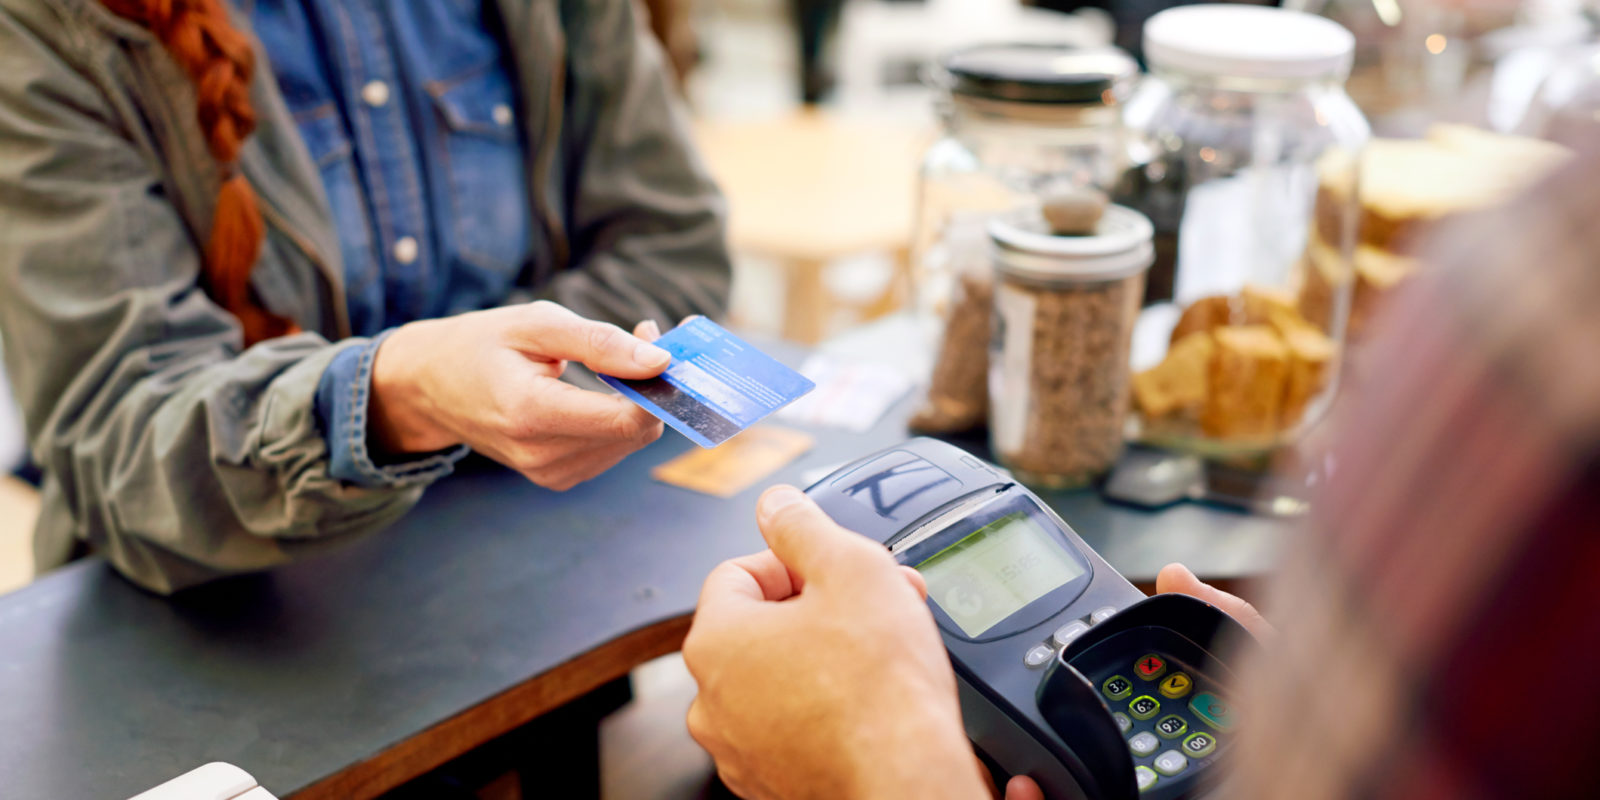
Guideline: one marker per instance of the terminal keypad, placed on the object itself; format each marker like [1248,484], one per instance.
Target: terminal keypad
[1170,716]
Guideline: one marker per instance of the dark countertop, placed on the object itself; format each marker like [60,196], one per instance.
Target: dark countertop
[296,675]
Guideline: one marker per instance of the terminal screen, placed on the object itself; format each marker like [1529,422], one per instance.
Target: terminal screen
[996,571]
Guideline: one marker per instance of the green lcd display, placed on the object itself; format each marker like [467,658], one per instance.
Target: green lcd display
[995,571]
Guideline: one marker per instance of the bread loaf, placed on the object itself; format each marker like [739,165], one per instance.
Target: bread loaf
[1406,184]
[1248,376]
[1178,385]
[1205,314]
[1311,361]
[1376,273]
[1405,187]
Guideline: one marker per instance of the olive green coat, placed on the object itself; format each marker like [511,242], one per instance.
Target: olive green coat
[167,447]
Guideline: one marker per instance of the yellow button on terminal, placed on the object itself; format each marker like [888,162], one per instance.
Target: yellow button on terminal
[1176,685]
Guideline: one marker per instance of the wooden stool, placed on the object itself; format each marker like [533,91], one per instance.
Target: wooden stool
[809,188]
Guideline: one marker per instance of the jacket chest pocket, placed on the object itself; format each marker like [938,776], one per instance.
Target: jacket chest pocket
[488,191]
[330,149]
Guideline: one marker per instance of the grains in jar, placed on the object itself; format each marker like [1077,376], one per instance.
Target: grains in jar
[958,398]
[1065,308]
[1023,123]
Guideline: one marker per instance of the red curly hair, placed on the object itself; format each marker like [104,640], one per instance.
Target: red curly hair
[220,62]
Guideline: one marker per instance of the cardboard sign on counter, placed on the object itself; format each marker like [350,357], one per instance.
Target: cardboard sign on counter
[737,464]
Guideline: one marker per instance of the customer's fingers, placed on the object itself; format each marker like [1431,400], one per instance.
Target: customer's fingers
[647,330]
[563,462]
[550,408]
[549,330]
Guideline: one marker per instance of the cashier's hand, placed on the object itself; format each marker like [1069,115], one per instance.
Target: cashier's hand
[1177,579]
[821,671]
[491,380]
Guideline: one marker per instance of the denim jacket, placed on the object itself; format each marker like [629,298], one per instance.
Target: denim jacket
[168,447]
[409,111]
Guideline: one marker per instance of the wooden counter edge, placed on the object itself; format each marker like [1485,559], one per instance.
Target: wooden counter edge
[518,706]
[499,714]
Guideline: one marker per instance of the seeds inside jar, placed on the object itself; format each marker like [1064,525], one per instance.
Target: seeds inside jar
[1065,308]
[1066,404]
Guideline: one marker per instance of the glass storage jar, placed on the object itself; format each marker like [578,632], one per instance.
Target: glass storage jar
[1411,57]
[1245,150]
[1566,107]
[1021,122]
[1065,308]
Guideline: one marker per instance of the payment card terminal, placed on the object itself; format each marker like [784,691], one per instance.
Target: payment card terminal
[1067,673]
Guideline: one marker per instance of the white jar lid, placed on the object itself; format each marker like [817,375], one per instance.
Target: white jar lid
[1248,42]
[1119,247]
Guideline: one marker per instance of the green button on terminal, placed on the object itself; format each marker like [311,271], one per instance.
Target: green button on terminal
[1213,709]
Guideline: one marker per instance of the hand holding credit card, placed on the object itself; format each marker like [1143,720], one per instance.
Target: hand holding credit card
[717,385]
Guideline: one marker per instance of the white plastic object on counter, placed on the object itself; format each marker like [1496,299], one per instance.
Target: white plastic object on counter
[215,781]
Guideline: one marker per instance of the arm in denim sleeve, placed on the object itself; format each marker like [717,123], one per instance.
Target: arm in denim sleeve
[341,408]
[166,445]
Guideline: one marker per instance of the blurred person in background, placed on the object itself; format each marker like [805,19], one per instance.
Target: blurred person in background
[1437,623]
[266,268]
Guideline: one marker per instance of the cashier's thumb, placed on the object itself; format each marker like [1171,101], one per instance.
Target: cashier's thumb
[1022,787]
[809,542]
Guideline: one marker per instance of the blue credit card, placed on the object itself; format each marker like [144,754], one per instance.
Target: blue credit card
[716,386]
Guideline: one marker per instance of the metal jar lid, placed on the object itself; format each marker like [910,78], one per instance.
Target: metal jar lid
[1119,247]
[1038,73]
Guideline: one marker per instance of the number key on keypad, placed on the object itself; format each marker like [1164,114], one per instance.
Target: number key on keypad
[1145,776]
[1117,687]
[1171,726]
[1123,723]
[1144,707]
[1144,743]
[1171,762]
[1200,745]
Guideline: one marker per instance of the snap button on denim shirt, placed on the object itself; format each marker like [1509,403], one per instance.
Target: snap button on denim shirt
[408,110]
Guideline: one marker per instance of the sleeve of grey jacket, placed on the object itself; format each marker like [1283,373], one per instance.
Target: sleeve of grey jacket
[646,222]
[165,448]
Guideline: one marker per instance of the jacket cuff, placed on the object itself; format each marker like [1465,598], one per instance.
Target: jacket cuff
[341,408]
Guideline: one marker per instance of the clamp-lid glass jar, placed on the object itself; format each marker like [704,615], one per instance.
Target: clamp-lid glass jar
[1021,122]
[1246,149]
[1065,308]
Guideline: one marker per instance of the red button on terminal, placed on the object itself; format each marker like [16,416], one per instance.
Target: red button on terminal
[1150,667]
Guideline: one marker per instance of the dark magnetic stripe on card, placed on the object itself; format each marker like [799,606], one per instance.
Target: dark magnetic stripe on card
[685,407]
